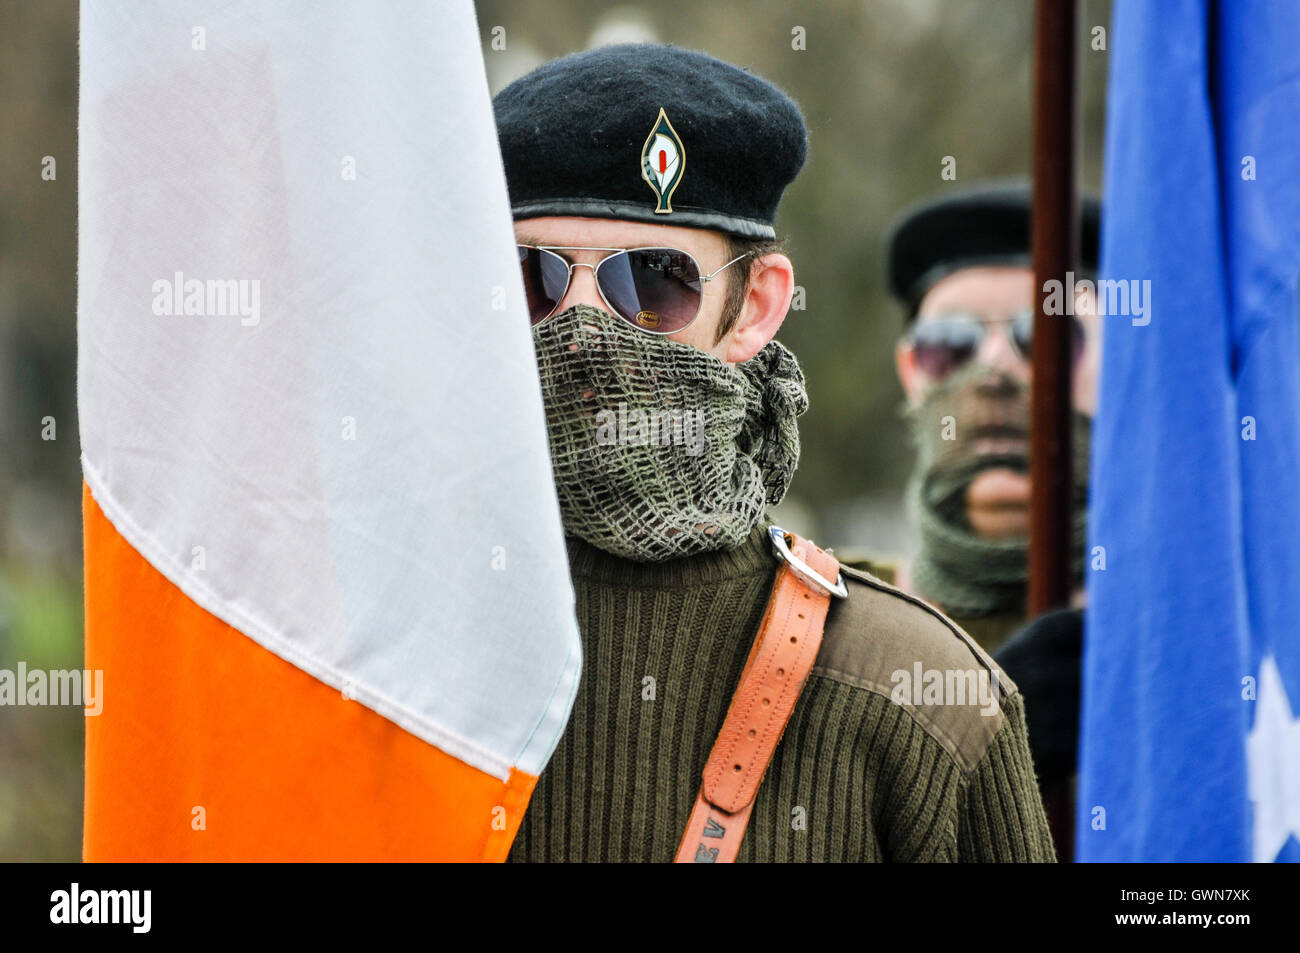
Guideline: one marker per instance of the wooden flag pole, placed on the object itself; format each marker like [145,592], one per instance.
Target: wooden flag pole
[1055,246]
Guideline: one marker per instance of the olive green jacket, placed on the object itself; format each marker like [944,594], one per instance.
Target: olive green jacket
[907,744]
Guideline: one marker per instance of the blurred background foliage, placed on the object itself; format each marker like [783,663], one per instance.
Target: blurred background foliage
[888,88]
[40,480]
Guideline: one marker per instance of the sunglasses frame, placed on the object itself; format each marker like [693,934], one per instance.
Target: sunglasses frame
[613,253]
[983,323]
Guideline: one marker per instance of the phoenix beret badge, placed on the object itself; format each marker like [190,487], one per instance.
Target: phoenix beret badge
[663,158]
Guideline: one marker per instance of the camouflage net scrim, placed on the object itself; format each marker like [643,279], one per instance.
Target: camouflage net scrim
[660,449]
[966,574]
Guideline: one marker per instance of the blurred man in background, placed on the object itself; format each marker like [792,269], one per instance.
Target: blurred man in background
[961,267]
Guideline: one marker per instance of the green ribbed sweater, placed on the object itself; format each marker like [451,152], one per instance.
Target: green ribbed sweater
[856,776]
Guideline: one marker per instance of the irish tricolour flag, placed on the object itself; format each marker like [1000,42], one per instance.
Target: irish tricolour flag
[325,574]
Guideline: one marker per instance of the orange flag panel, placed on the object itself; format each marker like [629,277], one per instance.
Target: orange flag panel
[210,747]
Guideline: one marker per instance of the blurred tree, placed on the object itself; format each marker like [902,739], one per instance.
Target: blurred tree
[40,479]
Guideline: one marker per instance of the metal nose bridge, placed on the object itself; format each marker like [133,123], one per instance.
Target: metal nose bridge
[594,271]
[568,281]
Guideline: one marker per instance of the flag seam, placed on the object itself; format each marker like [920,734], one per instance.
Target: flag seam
[144,543]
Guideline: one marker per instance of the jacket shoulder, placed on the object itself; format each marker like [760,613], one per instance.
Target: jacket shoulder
[891,643]
[880,565]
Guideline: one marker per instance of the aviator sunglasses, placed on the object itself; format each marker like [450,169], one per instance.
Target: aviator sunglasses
[658,290]
[943,344]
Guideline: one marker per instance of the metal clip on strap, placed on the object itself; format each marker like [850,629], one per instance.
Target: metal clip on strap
[781,543]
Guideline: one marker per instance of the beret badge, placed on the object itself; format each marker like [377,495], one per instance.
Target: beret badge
[663,158]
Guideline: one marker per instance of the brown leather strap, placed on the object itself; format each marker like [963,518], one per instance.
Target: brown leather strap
[779,661]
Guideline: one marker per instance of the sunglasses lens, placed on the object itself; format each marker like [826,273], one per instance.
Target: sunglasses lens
[656,289]
[1077,335]
[546,276]
[1022,331]
[943,346]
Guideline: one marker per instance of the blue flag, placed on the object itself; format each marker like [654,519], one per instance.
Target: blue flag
[1190,740]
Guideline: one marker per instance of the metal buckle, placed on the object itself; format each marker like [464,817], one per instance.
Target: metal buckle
[837,588]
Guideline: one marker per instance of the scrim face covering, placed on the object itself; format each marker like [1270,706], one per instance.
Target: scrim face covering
[659,448]
[964,573]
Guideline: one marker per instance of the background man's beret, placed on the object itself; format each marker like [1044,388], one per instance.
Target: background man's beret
[987,225]
[653,133]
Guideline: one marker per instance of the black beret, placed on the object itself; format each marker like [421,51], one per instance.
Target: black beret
[986,225]
[653,133]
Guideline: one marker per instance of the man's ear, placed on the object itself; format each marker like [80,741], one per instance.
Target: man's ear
[767,301]
[909,375]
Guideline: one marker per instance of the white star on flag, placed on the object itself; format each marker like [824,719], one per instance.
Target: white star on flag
[1273,765]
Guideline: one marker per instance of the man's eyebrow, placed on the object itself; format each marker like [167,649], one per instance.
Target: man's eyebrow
[528,240]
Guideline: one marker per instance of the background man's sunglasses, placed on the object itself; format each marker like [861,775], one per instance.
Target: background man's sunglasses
[655,289]
[941,345]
